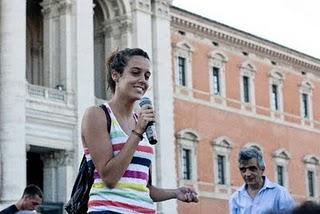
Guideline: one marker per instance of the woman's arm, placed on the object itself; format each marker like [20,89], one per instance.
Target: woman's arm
[184,194]
[96,138]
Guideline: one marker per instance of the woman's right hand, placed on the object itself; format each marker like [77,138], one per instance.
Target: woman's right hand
[146,115]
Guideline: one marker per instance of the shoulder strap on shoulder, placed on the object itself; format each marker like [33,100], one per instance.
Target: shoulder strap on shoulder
[104,108]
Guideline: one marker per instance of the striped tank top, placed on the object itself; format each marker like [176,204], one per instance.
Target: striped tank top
[130,194]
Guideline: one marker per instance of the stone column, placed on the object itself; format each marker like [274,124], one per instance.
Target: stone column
[84,66]
[163,100]
[141,30]
[65,35]
[49,177]
[57,25]
[51,40]
[12,99]
[141,26]
[63,175]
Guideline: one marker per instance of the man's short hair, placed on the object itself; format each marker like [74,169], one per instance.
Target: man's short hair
[248,153]
[32,190]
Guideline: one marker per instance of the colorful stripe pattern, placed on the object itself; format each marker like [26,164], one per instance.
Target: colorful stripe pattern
[131,194]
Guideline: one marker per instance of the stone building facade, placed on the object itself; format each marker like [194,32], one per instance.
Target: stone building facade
[52,69]
[231,90]
[214,88]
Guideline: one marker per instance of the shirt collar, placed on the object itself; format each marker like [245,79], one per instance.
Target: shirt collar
[267,185]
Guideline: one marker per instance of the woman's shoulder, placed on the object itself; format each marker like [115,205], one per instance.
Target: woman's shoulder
[95,114]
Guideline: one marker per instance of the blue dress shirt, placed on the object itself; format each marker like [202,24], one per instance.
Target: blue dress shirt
[271,198]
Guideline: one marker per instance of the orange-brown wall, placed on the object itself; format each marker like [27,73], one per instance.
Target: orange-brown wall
[241,126]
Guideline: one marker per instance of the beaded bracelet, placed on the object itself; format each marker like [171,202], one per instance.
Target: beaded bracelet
[138,134]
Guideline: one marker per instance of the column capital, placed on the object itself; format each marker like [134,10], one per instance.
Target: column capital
[64,7]
[63,158]
[161,8]
[142,5]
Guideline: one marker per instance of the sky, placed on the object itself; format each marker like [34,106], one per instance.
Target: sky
[292,23]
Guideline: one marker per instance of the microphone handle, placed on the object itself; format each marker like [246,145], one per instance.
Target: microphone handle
[152,134]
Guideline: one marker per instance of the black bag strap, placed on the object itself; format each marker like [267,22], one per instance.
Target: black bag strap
[104,108]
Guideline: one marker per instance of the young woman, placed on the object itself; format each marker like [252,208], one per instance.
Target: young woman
[123,157]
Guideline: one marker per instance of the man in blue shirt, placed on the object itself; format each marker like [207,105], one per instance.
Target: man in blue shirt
[258,195]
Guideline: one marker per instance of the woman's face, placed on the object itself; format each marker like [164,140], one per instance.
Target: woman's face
[134,80]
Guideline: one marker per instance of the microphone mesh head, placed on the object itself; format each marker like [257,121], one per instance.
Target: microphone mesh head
[145,101]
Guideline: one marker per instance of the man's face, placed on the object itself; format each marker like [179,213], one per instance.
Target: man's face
[31,202]
[250,171]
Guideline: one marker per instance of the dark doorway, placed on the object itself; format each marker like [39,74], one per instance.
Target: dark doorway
[34,169]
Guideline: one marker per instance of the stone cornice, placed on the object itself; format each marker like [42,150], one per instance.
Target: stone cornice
[217,31]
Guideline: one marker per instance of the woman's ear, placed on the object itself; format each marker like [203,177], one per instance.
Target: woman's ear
[115,76]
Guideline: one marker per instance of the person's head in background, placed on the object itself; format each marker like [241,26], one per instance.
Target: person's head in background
[31,198]
[251,166]
[307,207]
[128,72]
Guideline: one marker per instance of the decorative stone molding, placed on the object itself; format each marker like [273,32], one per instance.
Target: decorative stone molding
[48,160]
[142,5]
[218,31]
[54,8]
[281,153]
[64,158]
[125,25]
[65,7]
[161,8]
[311,159]
[185,135]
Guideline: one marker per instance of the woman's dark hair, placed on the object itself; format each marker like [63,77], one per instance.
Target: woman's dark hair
[118,61]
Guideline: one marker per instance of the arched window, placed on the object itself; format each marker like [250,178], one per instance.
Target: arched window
[276,79]
[183,64]
[222,147]
[281,158]
[306,110]
[311,177]
[247,88]
[187,140]
[217,74]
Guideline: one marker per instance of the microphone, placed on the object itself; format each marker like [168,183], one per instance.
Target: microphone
[151,128]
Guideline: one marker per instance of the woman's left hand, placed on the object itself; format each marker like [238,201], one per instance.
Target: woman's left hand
[186,194]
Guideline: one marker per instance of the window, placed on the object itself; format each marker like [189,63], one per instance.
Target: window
[276,79]
[182,71]
[246,89]
[186,164]
[275,98]
[311,165]
[306,89]
[305,105]
[281,159]
[216,81]
[247,75]
[222,147]
[216,74]
[280,175]
[311,183]
[187,140]
[183,58]
[221,169]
